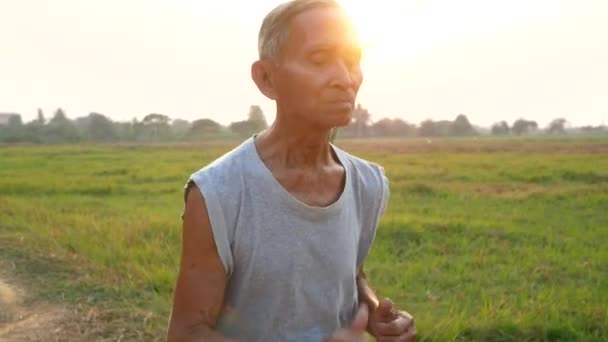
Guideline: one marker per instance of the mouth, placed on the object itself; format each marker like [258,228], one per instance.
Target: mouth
[342,97]
[342,103]
[343,100]
[341,107]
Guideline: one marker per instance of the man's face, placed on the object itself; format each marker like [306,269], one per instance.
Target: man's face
[318,74]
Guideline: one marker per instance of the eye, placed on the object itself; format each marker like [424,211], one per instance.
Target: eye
[320,58]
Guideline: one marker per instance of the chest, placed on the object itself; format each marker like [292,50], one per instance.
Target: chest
[297,251]
[314,188]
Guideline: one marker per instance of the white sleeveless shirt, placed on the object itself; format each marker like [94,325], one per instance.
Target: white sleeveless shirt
[291,267]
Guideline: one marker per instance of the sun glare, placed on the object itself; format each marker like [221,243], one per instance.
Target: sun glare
[381,24]
[396,29]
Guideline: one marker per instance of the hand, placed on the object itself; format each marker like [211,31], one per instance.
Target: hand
[389,325]
[356,332]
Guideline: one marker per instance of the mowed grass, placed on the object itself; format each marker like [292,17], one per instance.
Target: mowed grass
[489,239]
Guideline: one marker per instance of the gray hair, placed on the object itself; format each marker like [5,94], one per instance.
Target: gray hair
[275,27]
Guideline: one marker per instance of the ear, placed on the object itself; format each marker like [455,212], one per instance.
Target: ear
[261,73]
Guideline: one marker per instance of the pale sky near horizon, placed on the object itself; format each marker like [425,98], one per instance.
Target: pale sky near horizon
[491,60]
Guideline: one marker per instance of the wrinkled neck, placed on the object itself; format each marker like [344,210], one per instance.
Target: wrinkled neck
[295,145]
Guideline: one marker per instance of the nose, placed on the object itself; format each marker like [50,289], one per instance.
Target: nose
[344,76]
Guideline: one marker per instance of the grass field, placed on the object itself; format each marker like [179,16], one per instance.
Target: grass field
[490,240]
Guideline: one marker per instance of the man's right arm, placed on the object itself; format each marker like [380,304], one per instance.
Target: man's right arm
[199,292]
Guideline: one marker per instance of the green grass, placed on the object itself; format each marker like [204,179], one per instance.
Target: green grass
[490,239]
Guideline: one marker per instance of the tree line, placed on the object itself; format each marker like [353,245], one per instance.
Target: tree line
[97,127]
[362,126]
[155,127]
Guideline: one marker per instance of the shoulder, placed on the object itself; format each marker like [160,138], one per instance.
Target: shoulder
[223,170]
[368,176]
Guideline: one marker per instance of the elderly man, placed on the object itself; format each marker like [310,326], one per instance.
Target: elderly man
[275,232]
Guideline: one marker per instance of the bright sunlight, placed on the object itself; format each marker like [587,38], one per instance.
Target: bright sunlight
[377,22]
[409,28]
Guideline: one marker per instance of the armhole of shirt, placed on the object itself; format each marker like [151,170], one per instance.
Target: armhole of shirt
[219,228]
[369,233]
[386,192]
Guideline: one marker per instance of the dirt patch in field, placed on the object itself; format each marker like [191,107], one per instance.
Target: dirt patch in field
[40,322]
[26,317]
[21,320]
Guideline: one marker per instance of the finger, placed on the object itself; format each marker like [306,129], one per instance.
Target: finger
[397,327]
[388,339]
[410,336]
[385,309]
[360,321]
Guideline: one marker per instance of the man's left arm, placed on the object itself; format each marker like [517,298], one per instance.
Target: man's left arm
[385,323]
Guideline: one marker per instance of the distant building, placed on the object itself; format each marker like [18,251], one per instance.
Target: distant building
[5,118]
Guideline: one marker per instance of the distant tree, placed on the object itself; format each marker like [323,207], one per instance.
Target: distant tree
[206,128]
[82,125]
[156,119]
[500,128]
[15,121]
[59,117]
[404,128]
[138,131]
[242,128]
[394,127]
[13,131]
[520,127]
[156,127]
[382,127]
[557,126]
[100,128]
[359,126]
[532,125]
[594,130]
[361,118]
[443,127]
[461,127]
[430,128]
[257,119]
[60,129]
[40,117]
[125,131]
[179,128]
[255,123]
[427,129]
[587,129]
[523,126]
[35,130]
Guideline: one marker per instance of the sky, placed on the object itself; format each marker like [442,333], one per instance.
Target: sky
[489,59]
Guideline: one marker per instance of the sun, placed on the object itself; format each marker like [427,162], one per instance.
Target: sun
[381,24]
[368,20]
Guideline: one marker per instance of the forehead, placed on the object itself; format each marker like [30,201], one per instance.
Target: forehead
[321,27]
